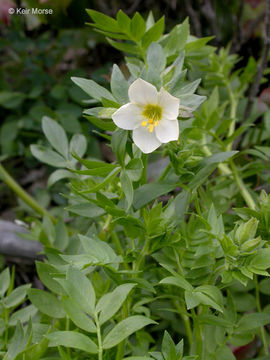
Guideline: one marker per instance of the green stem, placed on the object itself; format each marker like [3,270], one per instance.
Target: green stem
[243,190]
[142,255]
[121,347]
[198,335]
[100,345]
[118,246]
[225,170]
[232,112]
[28,199]
[144,174]
[6,318]
[184,315]
[259,307]
[165,172]
[107,223]
[67,328]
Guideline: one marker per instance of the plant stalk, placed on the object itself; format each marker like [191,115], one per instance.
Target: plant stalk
[22,194]
[243,190]
[259,307]
[100,345]
[142,255]
[198,335]
[144,174]
[121,347]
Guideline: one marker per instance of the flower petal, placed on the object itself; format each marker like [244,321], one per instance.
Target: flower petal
[142,92]
[167,130]
[169,104]
[145,140]
[128,116]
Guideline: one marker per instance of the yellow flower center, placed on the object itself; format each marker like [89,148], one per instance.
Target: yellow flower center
[152,114]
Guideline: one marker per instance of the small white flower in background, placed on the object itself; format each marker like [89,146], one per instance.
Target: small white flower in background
[152,116]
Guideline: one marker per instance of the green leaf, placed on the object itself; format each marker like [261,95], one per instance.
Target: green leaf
[208,300]
[17,296]
[187,89]
[178,281]
[58,175]
[138,358]
[98,170]
[87,209]
[104,21]
[261,260]
[127,48]
[56,135]
[250,322]
[177,38]
[134,169]
[127,188]
[72,339]
[156,60]
[137,26]
[225,353]
[4,281]
[154,33]
[213,293]
[78,316]
[61,235]
[124,329]
[177,207]
[110,303]
[108,179]
[123,21]
[99,250]
[214,320]
[46,272]
[265,286]
[80,289]
[192,101]
[191,299]
[11,100]
[246,231]
[47,156]
[201,176]
[103,125]
[148,192]
[119,140]
[17,344]
[119,85]
[22,315]
[194,46]
[93,89]
[218,157]
[78,145]
[46,303]
[168,347]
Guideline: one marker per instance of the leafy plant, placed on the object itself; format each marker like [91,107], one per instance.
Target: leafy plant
[186,254]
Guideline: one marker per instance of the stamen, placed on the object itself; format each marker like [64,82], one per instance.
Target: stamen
[152,114]
[150,128]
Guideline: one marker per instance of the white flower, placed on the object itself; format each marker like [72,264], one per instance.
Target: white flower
[152,116]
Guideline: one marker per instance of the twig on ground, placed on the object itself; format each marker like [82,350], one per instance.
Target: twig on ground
[210,14]
[262,63]
[194,18]
[238,37]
